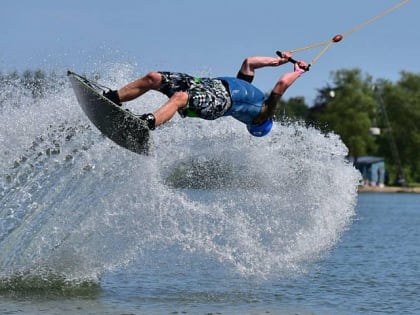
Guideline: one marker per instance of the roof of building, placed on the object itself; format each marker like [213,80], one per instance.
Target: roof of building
[368,159]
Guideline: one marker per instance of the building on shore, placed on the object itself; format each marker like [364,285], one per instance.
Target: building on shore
[372,169]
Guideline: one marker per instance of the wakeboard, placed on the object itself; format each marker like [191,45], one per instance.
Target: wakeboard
[118,124]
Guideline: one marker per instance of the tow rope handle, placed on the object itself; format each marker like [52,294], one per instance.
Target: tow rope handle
[280,54]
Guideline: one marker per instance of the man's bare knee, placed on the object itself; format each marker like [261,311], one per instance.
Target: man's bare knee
[154,79]
[180,98]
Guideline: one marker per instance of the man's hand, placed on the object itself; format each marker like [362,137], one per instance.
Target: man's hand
[286,55]
[301,65]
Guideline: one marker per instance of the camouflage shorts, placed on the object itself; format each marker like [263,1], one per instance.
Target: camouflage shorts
[207,98]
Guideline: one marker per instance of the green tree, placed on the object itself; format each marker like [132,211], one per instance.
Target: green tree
[294,109]
[400,106]
[35,82]
[347,108]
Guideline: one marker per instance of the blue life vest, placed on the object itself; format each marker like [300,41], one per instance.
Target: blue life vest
[247,100]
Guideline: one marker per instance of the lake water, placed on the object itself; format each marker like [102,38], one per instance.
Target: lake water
[212,222]
[373,269]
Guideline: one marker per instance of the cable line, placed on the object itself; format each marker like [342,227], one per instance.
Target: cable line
[337,38]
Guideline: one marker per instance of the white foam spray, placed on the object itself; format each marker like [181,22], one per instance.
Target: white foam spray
[75,204]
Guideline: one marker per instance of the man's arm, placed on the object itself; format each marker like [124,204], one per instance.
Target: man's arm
[250,64]
[280,87]
[289,78]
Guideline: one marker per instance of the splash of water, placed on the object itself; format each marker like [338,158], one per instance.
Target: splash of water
[76,205]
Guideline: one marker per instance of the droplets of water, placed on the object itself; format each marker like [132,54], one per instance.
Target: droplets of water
[75,202]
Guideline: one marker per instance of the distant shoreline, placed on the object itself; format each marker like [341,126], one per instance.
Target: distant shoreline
[388,189]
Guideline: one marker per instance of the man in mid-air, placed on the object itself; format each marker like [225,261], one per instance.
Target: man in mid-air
[212,98]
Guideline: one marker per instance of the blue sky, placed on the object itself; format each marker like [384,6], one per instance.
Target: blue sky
[213,36]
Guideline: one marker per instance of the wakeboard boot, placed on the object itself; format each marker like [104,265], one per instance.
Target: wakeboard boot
[150,120]
[113,96]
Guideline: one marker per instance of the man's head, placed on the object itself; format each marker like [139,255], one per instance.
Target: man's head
[262,129]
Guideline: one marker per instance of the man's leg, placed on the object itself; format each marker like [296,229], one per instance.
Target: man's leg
[151,81]
[169,109]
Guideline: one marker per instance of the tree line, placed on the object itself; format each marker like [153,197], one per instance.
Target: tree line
[35,84]
[373,118]
[352,105]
